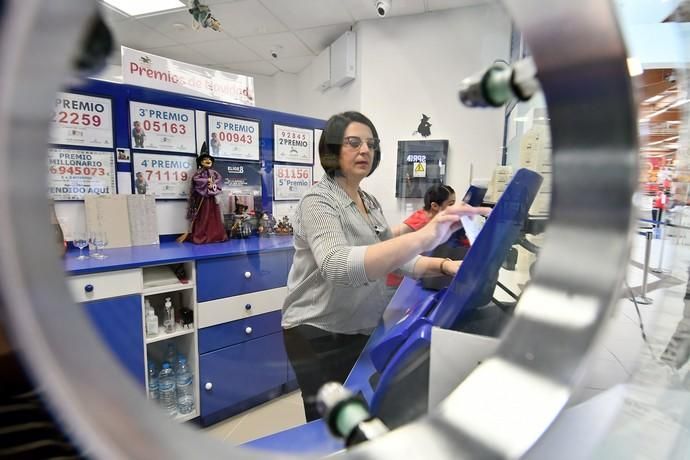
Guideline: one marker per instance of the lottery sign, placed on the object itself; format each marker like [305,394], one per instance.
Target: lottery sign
[158,127]
[290,181]
[165,176]
[82,120]
[233,138]
[75,173]
[293,145]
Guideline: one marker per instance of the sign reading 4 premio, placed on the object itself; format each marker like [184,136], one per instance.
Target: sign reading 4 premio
[158,127]
[75,173]
[165,176]
[233,138]
[82,120]
[290,181]
[293,145]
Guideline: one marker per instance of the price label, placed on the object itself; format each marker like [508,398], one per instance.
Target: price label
[233,138]
[82,121]
[164,176]
[293,145]
[158,127]
[72,174]
[290,182]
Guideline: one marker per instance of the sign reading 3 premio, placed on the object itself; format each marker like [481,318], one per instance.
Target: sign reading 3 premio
[290,181]
[165,176]
[293,145]
[82,120]
[233,138]
[75,173]
[158,127]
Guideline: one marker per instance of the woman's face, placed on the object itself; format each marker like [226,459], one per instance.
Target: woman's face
[356,162]
[449,202]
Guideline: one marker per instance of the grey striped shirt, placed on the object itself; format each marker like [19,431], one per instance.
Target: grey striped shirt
[328,286]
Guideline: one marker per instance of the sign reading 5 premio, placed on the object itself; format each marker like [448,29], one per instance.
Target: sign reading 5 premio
[75,173]
[165,176]
[82,120]
[290,181]
[158,127]
[293,145]
[233,138]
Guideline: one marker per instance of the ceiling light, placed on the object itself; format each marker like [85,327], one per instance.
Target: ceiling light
[140,8]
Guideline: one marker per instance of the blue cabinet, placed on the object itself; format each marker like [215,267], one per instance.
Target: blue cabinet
[119,322]
[226,334]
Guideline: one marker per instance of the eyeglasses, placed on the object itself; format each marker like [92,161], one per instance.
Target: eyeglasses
[356,142]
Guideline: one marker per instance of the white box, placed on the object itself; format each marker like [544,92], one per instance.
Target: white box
[321,70]
[343,59]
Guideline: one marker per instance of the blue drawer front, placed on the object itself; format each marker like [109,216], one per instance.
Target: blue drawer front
[223,335]
[225,276]
[119,323]
[240,372]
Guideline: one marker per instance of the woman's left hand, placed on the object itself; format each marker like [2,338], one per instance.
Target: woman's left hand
[451,267]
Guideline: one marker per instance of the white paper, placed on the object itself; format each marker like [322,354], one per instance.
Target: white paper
[472,225]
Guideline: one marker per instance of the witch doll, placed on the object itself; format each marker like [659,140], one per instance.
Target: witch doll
[204,215]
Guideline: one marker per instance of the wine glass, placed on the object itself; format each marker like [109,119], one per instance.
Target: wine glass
[100,241]
[81,242]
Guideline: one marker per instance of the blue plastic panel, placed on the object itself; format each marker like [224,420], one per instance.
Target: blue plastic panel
[223,335]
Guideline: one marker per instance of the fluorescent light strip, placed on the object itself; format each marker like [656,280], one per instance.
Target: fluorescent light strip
[672,138]
[141,7]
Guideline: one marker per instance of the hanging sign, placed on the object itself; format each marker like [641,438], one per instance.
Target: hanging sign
[419,169]
[164,176]
[233,138]
[151,71]
[82,121]
[75,173]
[290,181]
[293,145]
[158,127]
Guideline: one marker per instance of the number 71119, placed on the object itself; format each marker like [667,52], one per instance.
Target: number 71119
[166,175]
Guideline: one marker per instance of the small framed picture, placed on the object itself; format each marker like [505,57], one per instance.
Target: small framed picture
[122,155]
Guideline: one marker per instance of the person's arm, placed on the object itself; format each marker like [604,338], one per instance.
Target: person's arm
[435,266]
[401,229]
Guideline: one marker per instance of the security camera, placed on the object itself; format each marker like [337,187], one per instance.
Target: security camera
[275,51]
[382,7]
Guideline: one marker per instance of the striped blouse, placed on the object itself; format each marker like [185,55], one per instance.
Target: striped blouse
[327,285]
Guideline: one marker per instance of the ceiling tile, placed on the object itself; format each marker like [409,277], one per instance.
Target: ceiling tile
[293,65]
[178,26]
[224,51]
[247,17]
[255,67]
[180,53]
[318,38]
[435,5]
[136,35]
[290,45]
[110,15]
[365,9]
[302,14]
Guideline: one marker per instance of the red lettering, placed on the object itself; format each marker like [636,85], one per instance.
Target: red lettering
[133,67]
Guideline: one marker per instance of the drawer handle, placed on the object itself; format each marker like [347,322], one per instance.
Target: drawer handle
[88,288]
[248,330]
[208,386]
[248,306]
[247,275]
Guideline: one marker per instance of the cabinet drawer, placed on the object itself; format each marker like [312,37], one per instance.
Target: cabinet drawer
[235,374]
[221,311]
[223,335]
[104,285]
[231,276]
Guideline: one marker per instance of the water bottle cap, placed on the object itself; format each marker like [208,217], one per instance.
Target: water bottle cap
[166,365]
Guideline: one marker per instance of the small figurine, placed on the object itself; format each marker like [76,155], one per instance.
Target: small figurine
[138,134]
[284,227]
[266,224]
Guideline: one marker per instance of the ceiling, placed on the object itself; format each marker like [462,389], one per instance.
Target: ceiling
[300,29]
[660,112]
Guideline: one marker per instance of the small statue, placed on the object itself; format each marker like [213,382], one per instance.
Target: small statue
[266,224]
[284,227]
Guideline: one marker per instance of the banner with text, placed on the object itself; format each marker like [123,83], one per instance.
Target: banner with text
[239,179]
[164,176]
[82,121]
[151,71]
[233,138]
[75,173]
[290,182]
[158,127]
[293,145]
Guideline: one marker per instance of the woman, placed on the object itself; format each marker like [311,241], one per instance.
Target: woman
[344,249]
[206,221]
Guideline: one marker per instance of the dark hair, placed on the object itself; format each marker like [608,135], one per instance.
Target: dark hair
[437,194]
[332,141]
[201,157]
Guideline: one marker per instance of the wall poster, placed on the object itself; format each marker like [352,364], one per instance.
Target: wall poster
[239,180]
[80,120]
[293,145]
[72,174]
[421,164]
[290,181]
[233,138]
[164,176]
[158,127]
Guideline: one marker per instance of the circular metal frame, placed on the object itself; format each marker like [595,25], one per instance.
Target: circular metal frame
[501,410]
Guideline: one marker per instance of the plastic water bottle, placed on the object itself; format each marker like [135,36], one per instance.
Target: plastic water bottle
[185,388]
[153,382]
[180,357]
[169,321]
[171,355]
[166,389]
